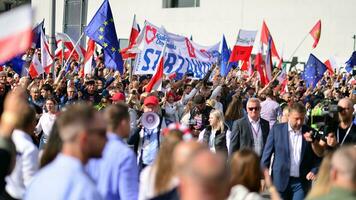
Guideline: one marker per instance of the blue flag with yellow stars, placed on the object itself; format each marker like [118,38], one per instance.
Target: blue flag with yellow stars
[313,71]
[101,29]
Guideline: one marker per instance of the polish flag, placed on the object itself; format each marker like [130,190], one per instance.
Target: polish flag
[36,67]
[331,65]
[46,57]
[243,47]
[269,65]
[70,45]
[135,31]
[260,66]
[315,33]
[156,81]
[89,56]
[265,34]
[16,32]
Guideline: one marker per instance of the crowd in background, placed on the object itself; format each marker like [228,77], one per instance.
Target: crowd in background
[68,136]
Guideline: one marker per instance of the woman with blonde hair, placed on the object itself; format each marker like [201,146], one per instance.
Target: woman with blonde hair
[160,177]
[216,135]
[322,182]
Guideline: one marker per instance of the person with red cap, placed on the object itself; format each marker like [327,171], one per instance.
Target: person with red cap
[146,141]
[118,98]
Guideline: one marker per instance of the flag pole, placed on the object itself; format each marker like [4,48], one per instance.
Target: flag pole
[296,49]
[71,53]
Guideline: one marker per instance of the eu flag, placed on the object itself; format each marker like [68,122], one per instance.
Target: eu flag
[101,29]
[225,55]
[351,63]
[313,71]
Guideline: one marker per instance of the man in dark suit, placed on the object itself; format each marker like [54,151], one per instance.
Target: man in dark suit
[251,131]
[295,163]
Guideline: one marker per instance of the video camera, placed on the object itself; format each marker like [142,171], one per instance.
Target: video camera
[324,118]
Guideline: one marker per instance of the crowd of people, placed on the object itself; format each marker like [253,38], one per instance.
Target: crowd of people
[68,136]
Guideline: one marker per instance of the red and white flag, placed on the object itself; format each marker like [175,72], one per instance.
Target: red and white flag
[243,47]
[315,33]
[135,31]
[331,65]
[70,45]
[265,34]
[156,81]
[36,67]
[260,66]
[46,57]
[89,56]
[16,32]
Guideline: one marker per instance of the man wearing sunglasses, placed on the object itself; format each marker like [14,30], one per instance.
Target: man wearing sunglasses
[251,131]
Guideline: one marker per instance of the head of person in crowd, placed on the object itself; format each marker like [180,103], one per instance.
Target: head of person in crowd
[99,85]
[188,88]
[90,86]
[296,116]
[285,114]
[199,102]
[28,122]
[24,82]
[253,108]
[52,148]
[2,89]
[35,93]
[287,97]
[205,91]
[234,110]
[118,119]
[204,176]
[346,110]
[51,105]
[343,168]
[151,104]
[164,162]
[118,98]
[46,91]
[250,91]
[322,184]
[71,92]
[83,132]
[216,120]
[170,97]
[245,170]
[3,78]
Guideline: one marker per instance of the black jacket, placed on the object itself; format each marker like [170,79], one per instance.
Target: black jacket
[220,139]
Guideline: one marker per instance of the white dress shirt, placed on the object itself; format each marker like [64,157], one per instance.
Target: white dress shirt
[257,135]
[295,148]
[45,123]
[26,165]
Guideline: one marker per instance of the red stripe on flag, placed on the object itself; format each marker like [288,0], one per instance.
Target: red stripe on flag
[15,44]
[240,53]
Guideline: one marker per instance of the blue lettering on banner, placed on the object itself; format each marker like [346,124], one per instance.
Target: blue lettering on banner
[179,73]
[170,62]
[158,53]
[147,59]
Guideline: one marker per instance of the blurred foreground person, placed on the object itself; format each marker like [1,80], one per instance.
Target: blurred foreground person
[82,130]
[116,173]
[342,175]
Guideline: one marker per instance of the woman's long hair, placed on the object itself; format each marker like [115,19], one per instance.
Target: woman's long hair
[164,163]
[52,148]
[220,117]
[245,170]
[234,109]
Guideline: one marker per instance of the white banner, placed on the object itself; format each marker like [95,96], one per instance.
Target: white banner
[182,55]
[246,38]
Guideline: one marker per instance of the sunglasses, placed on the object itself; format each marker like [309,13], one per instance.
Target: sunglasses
[254,108]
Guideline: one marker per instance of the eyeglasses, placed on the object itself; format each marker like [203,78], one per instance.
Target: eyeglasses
[254,108]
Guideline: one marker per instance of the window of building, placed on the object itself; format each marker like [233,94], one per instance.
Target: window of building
[180,3]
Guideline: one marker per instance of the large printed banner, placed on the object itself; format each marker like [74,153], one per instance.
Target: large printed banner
[182,55]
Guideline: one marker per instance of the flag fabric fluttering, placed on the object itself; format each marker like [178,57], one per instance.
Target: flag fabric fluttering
[135,31]
[70,45]
[16,38]
[331,65]
[36,68]
[89,56]
[315,33]
[313,71]
[260,66]
[265,35]
[243,47]
[351,62]
[225,55]
[269,65]
[156,80]
[46,57]
[102,30]
[36,39]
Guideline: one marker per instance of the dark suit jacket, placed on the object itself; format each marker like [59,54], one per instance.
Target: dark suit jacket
[241,134]
[220,139]
[278,143]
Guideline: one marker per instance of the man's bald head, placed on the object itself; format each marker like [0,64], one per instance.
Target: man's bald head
[183,151]
[343,162]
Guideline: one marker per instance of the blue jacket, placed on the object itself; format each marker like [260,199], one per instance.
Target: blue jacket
[278,143]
